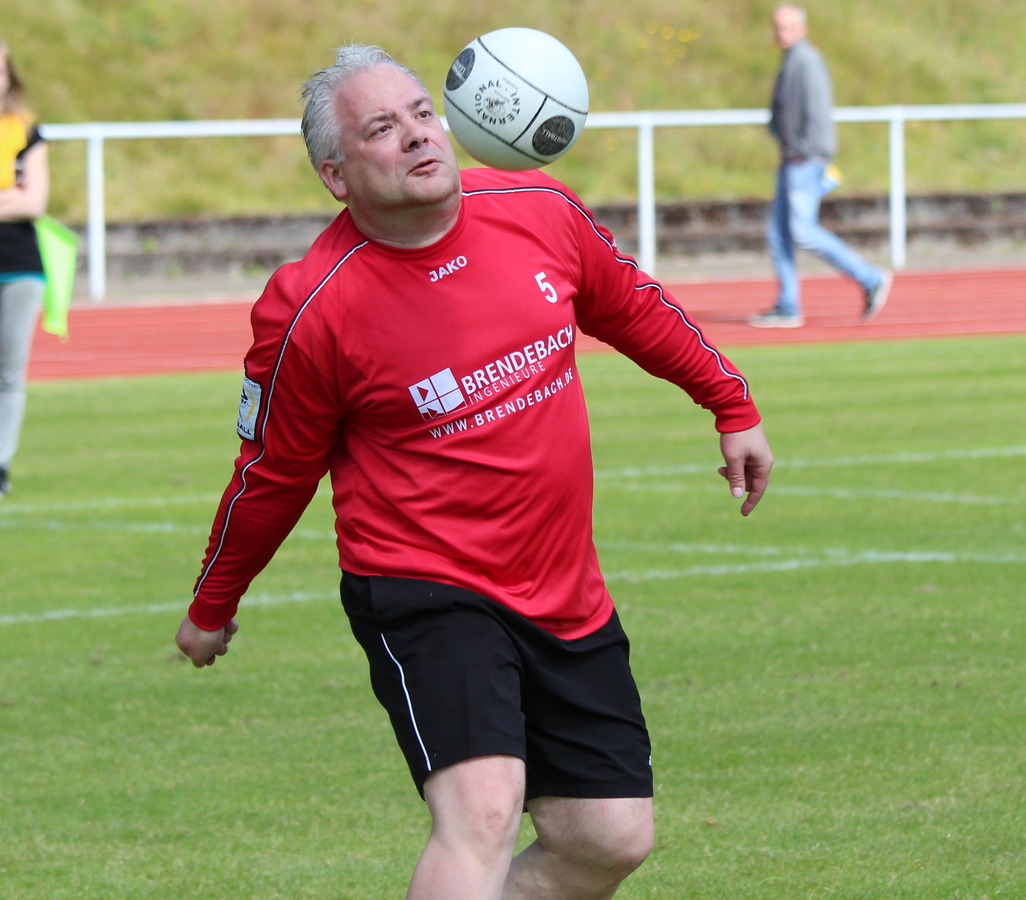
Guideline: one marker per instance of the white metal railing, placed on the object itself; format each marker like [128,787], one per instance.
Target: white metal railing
[643,122]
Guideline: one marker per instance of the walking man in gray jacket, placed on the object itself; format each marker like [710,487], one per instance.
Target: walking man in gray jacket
[802,122]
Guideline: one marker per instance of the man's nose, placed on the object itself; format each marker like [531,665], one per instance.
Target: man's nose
[416,133]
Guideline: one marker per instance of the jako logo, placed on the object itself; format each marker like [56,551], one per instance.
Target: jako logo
[454,266]
[438,395]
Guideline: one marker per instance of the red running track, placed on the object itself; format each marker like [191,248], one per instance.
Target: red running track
[149,337]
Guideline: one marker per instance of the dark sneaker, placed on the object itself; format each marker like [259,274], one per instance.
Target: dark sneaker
[5,483]
[876,297]
[774,319]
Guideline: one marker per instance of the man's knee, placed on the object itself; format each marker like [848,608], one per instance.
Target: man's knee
[626,845]
[492,825]
[612,835]
[478,803]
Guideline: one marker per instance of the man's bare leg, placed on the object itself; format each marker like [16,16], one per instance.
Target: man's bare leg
[476,808]
[584,850]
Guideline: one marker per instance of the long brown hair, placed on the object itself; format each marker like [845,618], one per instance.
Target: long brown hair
[14,101]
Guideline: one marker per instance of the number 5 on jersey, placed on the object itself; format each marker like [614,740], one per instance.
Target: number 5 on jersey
[548,291]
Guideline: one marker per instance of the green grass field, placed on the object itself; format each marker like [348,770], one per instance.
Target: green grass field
[834,685]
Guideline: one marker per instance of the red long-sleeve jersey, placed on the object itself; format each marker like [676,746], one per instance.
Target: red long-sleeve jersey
[439,388]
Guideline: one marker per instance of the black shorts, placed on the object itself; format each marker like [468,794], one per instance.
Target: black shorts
[462,676]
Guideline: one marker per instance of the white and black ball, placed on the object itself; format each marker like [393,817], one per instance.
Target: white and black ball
[516,98]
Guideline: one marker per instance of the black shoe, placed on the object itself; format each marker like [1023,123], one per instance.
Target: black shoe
[876,297]
[5,483]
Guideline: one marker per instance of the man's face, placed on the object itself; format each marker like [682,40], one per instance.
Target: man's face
[788,27]
[396,154]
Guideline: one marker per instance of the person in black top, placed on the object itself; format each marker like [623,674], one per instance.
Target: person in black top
[24,191]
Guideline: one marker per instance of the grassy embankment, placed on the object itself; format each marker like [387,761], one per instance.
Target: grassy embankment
[190,59]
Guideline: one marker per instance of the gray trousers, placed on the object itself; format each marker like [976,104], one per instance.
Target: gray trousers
[20,303]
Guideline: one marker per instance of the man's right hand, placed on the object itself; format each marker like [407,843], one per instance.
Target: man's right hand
[203,647]
[748,462]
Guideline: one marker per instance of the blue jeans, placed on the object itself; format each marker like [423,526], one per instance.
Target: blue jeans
[794,222]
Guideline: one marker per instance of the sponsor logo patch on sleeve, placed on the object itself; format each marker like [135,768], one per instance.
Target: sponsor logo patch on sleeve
[249,409]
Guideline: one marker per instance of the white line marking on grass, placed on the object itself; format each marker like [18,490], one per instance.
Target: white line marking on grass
[666,487]
[824,463]
[142,528]
[91,506]
[139,502]
[848,494]
[679,547]
[789,563]
[918,457]
[9,507]
[181,606]
[830,558]
[779,563]
[100,525]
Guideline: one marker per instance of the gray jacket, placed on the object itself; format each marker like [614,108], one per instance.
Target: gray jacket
[802,110]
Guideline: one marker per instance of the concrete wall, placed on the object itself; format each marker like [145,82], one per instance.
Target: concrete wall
[250,245]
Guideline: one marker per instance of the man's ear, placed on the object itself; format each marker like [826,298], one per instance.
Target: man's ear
[331,174]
